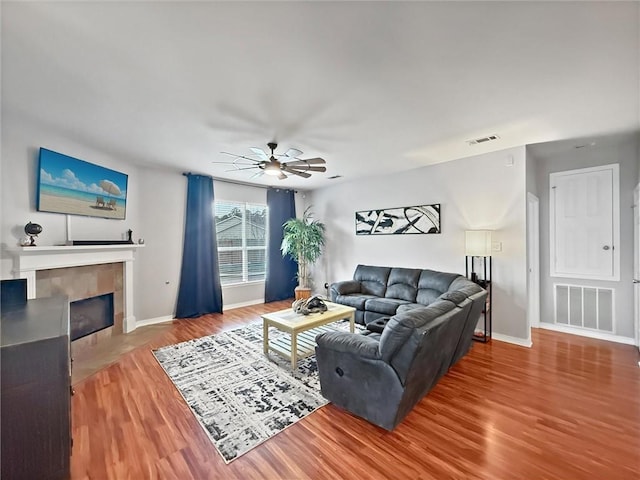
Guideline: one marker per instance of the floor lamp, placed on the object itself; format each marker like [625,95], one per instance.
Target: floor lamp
[477,245]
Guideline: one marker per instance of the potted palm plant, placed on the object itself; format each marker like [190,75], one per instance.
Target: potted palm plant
[303,239]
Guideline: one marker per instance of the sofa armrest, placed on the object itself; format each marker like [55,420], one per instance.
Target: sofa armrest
[344,288]
[354,378]
[353,343]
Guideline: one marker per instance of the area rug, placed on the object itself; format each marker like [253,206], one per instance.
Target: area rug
[240,397]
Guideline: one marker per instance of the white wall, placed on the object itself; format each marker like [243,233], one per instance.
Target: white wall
[162,205]
[155,211]
[20,146]
[624,153]
[475,193]
[163,201]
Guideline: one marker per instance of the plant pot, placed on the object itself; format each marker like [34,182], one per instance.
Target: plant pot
[302,292]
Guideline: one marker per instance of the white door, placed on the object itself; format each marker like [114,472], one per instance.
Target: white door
[533,260]
[584,224]
[636,260]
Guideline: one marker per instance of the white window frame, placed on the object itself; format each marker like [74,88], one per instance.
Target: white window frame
[244,248]
[615,169]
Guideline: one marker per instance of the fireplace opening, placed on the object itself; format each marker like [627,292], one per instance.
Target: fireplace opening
[91,315]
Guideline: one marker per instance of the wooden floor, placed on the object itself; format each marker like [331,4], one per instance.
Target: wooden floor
[567,409]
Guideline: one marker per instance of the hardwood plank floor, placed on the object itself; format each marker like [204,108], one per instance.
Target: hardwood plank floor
[568,408]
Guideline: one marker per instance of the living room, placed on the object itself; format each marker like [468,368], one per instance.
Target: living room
[156,90]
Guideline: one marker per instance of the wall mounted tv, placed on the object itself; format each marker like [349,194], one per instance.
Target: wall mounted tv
[76,187]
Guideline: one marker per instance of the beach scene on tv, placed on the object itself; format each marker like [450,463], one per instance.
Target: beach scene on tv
[73,186]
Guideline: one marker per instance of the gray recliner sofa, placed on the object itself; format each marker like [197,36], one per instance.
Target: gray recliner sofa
[381,376]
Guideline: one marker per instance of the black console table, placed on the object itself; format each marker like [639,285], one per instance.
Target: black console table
[35,408]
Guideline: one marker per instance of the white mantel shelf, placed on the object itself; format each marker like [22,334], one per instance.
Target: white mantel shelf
[28,260]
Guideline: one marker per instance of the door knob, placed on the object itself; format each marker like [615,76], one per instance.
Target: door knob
[606,247]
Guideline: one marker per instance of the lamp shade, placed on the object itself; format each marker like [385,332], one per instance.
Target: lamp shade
[477,243]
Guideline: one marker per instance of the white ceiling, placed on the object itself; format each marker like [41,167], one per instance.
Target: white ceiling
[373,88]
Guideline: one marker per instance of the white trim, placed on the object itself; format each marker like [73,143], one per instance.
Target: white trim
[588,333]
[154,321]
[615,172]
[242,304]
[243,284]
[522,342]
[28,260]
[533,260]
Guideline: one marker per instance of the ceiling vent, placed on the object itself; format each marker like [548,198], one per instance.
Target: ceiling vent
[488,138]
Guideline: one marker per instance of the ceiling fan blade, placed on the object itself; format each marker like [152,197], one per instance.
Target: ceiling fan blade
[237,169]
[282,176]
[292,153]
[311,161]
[260,153]
[311,169]
[242,156]
[295,172]
[258,174]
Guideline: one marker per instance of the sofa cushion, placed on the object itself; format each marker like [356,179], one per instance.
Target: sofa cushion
[464,285]
[356,301]
[454,296]
[403,284]
[408,306]
[400,327]
[388,306]
[373,280]
[433,284]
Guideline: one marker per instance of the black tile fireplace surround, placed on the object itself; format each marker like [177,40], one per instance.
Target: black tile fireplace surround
[91,315]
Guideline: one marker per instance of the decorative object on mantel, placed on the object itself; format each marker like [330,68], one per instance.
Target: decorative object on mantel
[303,240]
[420,219]
[33,230]
[128,241]
[478,246]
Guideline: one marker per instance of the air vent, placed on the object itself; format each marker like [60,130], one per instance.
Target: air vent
[488,138]
[333,177]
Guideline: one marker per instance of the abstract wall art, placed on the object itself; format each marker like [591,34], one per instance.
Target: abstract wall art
[398,221]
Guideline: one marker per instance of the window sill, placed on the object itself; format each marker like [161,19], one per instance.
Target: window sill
[243,284]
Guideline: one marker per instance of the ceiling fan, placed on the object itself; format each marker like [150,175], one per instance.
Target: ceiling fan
[286,163]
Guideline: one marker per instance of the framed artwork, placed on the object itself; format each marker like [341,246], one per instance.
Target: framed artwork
[420,219]
[72,186]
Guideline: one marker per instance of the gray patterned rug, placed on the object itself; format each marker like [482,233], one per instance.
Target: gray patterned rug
[240,397]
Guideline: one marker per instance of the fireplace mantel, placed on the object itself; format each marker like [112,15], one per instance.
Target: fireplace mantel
[28,260]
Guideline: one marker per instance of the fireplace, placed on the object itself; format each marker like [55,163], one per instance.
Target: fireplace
[91,315]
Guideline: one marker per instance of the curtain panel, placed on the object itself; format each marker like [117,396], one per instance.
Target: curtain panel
[200,291]
[281,281]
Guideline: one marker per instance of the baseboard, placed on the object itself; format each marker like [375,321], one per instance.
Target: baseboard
[609,337]
[522,342]
[153,321]
[242,304]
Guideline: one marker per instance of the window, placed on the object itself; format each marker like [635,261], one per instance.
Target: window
[241,230]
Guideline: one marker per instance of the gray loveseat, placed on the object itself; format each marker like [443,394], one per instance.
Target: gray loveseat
[381,376]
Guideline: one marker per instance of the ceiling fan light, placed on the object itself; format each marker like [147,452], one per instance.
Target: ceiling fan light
[272,169]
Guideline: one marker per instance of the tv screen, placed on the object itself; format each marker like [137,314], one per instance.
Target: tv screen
[76,187]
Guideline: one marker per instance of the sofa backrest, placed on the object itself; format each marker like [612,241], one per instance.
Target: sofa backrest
[417,327]
[400,327]
[432,284]
[373,280]
[403,283]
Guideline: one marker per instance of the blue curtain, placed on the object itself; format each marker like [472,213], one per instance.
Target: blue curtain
[281,271]
[200,290]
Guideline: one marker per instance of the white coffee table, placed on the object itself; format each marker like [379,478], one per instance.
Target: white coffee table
[302,329]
